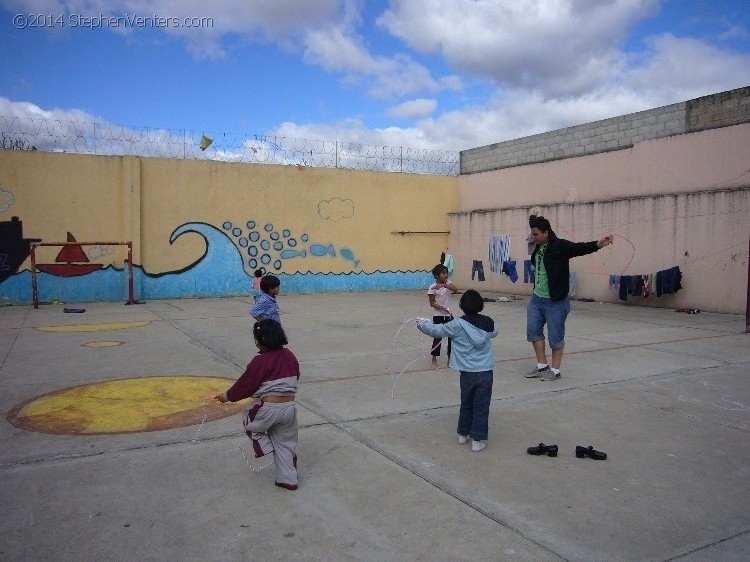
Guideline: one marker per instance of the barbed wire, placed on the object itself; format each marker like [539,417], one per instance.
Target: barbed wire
[53,135]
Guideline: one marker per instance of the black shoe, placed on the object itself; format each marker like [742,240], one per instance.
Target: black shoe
[543,449]
[596,455]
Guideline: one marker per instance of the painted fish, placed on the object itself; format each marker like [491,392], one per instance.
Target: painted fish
[347,254]
[320,250]
[287,254]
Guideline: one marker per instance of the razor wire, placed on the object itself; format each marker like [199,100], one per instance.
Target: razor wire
[79,137]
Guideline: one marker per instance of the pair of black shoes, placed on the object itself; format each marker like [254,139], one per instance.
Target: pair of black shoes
[581,452]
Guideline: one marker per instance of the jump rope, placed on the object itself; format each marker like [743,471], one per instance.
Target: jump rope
[416,319]
[423,355]
[197,439]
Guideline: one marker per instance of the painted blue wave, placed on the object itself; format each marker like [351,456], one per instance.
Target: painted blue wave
[220,272]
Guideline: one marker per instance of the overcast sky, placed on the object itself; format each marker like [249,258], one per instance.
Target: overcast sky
[437,74]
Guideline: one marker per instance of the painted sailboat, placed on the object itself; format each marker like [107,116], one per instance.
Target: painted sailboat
[71,261]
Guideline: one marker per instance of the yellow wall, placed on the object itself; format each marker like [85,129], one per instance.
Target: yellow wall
[356,209]
[146,200]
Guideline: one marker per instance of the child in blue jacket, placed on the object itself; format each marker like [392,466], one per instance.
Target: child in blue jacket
[472,356]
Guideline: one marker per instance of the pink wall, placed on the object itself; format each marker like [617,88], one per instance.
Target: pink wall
[679,201]
[683,163]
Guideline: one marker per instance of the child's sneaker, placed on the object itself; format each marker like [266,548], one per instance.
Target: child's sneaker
[477,446]
[463,439]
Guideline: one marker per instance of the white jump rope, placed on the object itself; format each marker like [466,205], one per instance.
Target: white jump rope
[197,439]
[423,355]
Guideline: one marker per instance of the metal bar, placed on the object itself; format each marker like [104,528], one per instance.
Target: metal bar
[34,245]
[81,243]
[33,276]
[131,300]
[747,299]
[402,232]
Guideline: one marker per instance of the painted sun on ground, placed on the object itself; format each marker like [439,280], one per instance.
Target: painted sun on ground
[125,406]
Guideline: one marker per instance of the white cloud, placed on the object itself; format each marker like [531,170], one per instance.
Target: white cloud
[337,49]
[413,109]
[560,47]
[676,69]
[550,63]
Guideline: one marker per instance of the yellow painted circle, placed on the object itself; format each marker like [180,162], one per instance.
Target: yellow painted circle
[94,327]
[125,406]
[102,344]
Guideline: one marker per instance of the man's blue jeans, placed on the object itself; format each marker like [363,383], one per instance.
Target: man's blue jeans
[474,415]
[541,311]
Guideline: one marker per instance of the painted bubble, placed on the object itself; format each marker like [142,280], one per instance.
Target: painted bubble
[243,242]
[252,251]
[265,258]
[292,242]
[274,236]
[265,245]
[227,225]
[236,231]
[277,264]
[268,227]
[251,224]
[254,236]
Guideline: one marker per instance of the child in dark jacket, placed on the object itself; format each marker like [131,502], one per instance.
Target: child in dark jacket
[271,420]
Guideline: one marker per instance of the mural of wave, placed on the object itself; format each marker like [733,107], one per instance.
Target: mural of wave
[219,272]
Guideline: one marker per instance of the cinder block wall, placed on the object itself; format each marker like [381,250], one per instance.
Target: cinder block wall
[709,112]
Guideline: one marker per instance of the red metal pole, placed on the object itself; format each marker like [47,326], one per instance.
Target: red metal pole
[33,275]
[131,300]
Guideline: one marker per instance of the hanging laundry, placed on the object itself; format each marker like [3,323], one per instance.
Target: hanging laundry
[530,244]
[509,268]
[624,287]
[448,262]
[528,271]
[668,281]
[478,268]
[646,286]
[499,252]
[636,285]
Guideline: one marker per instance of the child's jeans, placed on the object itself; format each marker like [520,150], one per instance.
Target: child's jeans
[474,415]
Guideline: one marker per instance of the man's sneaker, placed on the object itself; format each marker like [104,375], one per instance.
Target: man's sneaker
[536,373]
[463,439]
[551,376]
[477,446]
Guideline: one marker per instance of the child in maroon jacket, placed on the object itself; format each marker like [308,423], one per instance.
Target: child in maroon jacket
[271,421]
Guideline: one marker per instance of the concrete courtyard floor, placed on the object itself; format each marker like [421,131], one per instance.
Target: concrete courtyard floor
[666,395]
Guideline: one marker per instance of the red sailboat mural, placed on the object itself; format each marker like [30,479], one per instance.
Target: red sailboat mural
[70,262]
